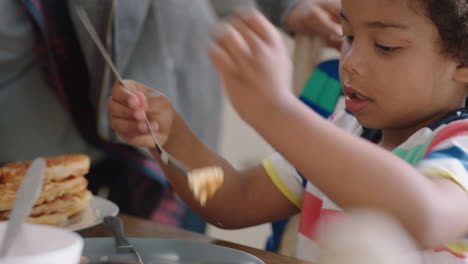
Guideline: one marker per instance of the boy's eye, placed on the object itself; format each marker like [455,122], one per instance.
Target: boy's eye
[385,48]
[348,38]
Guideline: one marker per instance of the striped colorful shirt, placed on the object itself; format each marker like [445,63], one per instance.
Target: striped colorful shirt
[321,93]
[439,150]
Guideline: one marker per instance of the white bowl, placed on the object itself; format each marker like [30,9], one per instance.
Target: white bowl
[43,244]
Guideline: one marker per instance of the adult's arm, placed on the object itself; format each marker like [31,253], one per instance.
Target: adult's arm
[310,17]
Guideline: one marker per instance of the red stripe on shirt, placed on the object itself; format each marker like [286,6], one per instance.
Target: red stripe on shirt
[457,128]
[445,249]
[311,211]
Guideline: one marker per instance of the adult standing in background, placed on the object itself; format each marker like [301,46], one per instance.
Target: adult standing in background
[46,58]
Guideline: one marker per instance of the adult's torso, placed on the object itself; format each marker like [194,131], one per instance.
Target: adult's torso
[162,44]
[33,120]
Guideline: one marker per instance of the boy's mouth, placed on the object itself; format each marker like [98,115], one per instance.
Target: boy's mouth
[353,94]
[358,96]
[355,102]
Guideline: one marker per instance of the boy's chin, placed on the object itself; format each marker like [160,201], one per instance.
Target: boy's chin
[368,121]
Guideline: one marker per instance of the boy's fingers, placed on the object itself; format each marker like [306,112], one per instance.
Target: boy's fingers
[142,99]
[118,110]
[220,58]
[132,86]
[124,127]
[232,42]
[335,42]
[128,129]
[123,96]
[259,24]
[250,37]
[333,8]
[142,140]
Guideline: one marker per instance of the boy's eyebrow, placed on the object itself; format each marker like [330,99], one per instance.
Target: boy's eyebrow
[377,24]
[342,15]
[380,24]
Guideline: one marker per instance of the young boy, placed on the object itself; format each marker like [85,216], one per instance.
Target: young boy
[404,70]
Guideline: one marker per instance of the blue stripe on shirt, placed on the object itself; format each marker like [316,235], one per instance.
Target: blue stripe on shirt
[454,152]
[304,180]
[315,107]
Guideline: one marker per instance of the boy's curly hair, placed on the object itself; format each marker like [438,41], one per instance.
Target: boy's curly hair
[451,19]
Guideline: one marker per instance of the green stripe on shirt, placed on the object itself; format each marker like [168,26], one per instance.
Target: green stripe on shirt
[322,90]
[414,154]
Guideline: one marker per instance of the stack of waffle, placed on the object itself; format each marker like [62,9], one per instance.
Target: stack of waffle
[63,194]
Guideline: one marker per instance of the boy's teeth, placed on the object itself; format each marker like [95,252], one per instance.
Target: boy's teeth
[360,97]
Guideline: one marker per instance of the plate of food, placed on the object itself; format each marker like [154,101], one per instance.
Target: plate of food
[164,251]
[91,216]
[64,199]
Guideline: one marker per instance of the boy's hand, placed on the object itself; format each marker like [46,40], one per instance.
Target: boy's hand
[127,110]
[319,18]
[253,63]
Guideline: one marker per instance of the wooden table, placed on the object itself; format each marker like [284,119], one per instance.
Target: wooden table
[136,227]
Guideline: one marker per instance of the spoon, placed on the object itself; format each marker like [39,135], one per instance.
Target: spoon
[202,181]
[165,157]
[25,198]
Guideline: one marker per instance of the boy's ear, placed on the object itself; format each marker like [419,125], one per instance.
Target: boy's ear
[461,74]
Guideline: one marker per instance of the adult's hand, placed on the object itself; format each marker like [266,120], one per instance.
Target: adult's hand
[317,18]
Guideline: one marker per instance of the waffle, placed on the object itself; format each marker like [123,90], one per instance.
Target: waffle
[57,211]
[204,182]
[63,194]
[50,191]
[58,168]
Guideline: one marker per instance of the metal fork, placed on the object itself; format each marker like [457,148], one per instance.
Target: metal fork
[165,156]
[122,244]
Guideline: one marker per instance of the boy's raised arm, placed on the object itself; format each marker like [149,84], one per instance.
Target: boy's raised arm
[246,197]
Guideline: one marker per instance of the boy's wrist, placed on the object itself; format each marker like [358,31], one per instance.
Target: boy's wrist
[269,108]
[175,133]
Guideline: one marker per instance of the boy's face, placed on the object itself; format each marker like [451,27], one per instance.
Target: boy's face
[391,68]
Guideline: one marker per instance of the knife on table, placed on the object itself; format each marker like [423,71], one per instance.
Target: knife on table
[123,246]
[24,202]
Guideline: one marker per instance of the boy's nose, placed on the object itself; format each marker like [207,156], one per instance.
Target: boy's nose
[352,61]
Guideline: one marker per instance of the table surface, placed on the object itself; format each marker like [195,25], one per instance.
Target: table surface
[136,227]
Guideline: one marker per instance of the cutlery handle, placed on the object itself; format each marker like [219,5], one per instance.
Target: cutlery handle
[116,226]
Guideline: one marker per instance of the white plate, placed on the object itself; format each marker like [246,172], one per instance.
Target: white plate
[167,251]
[93,215]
